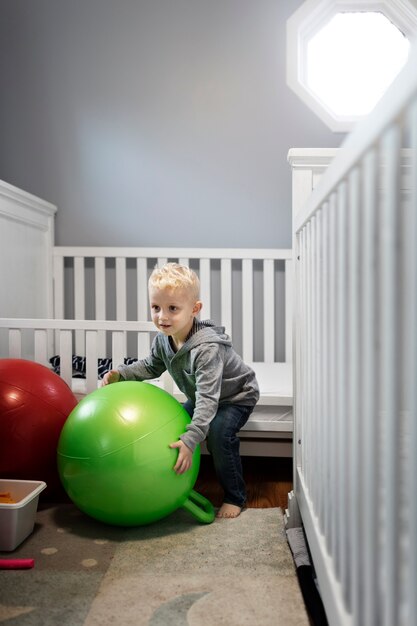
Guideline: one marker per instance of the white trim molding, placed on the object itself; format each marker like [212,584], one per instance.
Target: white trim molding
[26,245]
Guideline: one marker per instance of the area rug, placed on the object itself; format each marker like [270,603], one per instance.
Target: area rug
[174,572]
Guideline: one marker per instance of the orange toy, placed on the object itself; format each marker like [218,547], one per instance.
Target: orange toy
[6,498]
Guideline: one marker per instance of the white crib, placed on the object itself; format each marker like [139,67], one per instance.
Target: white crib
[355,355]
[92,302]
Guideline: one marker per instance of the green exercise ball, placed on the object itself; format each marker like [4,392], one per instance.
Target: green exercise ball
[114,458]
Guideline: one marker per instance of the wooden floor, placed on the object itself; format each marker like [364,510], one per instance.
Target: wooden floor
[268,481]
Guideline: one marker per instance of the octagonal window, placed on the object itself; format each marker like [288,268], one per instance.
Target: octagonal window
[340,60]
[352,60]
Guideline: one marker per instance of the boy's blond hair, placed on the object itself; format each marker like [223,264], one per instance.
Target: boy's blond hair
[175,276]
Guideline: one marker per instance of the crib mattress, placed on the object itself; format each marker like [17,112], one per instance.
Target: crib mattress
[270,419]
[264,419]
[275,384]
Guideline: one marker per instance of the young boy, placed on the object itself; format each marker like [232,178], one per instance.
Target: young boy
[221,389]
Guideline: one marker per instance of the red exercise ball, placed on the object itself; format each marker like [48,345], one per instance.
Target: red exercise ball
[34,404]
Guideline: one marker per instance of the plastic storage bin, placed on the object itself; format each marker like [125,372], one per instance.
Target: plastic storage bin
[18,519]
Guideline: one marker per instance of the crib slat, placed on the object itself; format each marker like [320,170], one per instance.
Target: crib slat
[411,368]
[121,292]
[323,392]
[369,399]
[15,343]
[312,447]
[312,443]
[289,295]
[142,288]
[354,441]
[205,286]
[59,313]
[121,301]
[118,347]
[308,351]
[334,452]
[341,371]
[305,342]
[41,347]
[319,422]
[79,302]
[184,261]
[59,287]
[91,354]
[100,296]
[247,309]
[142,304]
[389,371]
[100,288]
[65,352]
[301,361]
[144,345]
[269,311]
[79,288]
[226,294]
[162,260]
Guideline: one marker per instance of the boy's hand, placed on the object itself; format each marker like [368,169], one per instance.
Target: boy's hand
[110,377]
[185,457]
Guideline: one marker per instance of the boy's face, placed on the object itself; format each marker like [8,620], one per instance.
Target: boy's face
[173,311]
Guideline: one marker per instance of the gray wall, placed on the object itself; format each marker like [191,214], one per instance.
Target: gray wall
[153,122]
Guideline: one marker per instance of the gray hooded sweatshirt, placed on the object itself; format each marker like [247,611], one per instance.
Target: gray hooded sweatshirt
[206,369]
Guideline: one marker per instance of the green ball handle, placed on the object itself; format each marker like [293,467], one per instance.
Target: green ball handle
[200,507]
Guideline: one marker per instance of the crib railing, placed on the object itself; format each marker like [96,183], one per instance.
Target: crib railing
[40,339]
[356,368]
[246,290]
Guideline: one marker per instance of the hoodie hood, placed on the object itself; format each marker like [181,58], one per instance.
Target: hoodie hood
[206,331]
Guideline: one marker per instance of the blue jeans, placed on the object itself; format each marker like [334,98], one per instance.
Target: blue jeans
[223,445]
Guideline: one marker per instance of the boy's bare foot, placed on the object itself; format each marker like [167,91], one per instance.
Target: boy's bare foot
[228,510]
